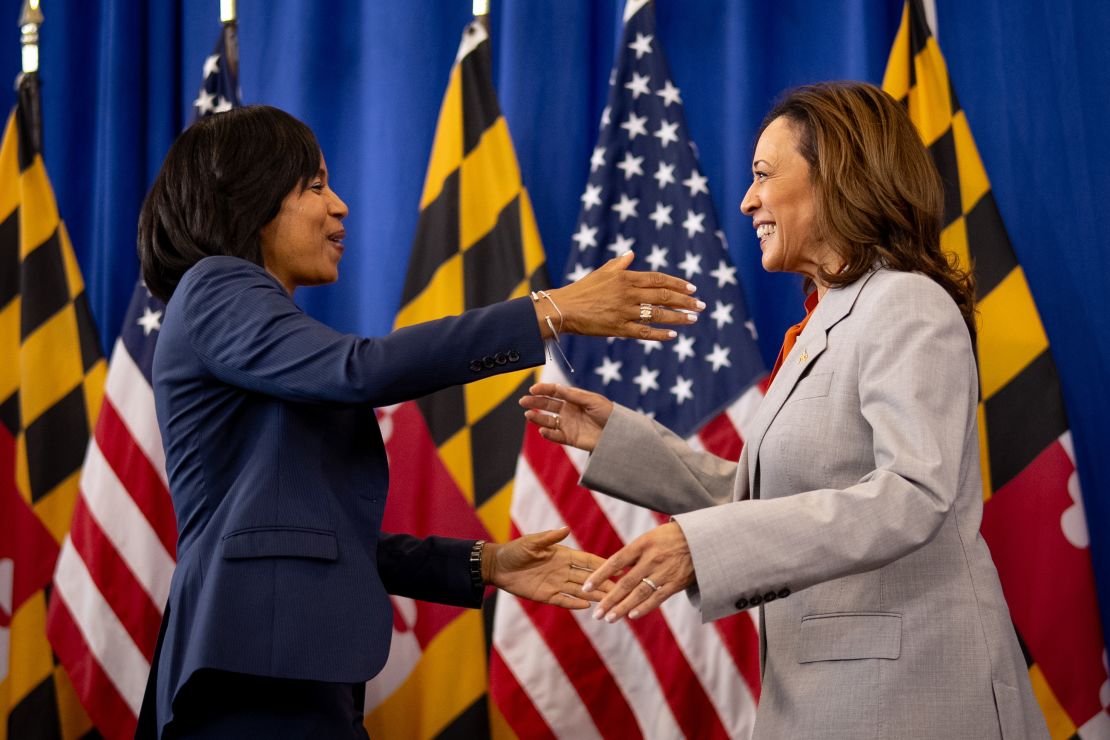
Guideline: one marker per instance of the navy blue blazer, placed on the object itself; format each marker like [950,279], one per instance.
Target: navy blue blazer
[279,476]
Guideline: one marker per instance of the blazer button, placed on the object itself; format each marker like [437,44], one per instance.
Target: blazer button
[741,603]
[488,361]
[500,358]
[476,366]
[756,600]
[784,593]
[513,356]
[769,597]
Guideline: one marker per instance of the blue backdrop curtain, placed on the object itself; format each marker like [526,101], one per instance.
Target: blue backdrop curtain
[1034,76]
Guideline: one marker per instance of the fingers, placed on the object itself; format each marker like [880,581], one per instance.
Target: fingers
[550,537]
[587,562]
[618,263]
[667,299]
[607,570]
[642,594]
[661,315]
[544,389]
[565,393]
[568,601]
[549,426]
[542,403]
[582,567]
[570,595]
[665,288]
[636,330]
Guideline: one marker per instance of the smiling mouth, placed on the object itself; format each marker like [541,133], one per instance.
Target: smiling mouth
[764,230]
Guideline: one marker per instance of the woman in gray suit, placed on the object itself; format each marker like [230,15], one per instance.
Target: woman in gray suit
[852,518]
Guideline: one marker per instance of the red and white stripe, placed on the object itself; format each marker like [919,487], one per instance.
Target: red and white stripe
[113,573]
[563,674]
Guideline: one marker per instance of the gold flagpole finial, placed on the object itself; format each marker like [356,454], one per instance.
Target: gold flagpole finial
[481,8]
[29,21]
[228,13]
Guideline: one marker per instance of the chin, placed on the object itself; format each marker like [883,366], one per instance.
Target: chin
[771,262]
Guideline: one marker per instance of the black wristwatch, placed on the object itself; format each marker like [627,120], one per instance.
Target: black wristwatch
[476,565]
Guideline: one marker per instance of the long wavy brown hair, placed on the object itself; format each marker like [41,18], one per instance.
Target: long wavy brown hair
[879,197]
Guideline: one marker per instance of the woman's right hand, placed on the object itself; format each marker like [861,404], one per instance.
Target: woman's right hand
[569,416]
[608,301]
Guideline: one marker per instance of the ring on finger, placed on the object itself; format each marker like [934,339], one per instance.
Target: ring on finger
[646,312]
[650,582]
[557,420]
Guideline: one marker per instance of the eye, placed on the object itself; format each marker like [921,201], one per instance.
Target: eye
[318,186]
[759,176]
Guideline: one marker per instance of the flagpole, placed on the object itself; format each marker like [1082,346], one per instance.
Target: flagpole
[27,83]
[481,12]
[229,17]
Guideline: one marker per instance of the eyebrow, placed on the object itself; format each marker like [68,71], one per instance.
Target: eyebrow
[764,161]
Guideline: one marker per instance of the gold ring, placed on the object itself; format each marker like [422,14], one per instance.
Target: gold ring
[651,583]
[646,312]
[557,419]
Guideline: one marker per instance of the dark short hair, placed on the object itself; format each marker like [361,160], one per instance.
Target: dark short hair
[221,182]
[879,196]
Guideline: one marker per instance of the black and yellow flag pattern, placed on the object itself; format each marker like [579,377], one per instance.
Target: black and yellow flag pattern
[51,384]
[476,244]
[1024,439]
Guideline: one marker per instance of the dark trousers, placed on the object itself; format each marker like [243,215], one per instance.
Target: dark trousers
[216,705]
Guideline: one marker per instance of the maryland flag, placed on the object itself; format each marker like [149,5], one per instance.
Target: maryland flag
[453,454]
[1033,519]
[51,382]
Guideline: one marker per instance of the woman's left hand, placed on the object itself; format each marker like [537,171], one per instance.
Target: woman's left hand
[659,565]
[535,567]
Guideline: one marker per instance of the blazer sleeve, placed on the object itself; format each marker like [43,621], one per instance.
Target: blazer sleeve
[917,391]
[250,334]
[641,461]
[430,569]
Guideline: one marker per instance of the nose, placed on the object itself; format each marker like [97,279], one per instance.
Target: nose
[751,202]
[336,206]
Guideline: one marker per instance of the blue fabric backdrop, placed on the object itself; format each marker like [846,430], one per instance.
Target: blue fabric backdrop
[119,77]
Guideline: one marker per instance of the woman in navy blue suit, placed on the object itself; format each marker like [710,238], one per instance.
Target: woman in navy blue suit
[278,610]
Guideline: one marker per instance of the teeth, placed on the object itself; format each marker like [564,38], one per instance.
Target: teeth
[765,230]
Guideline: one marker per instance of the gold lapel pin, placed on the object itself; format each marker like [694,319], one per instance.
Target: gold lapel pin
[804,357]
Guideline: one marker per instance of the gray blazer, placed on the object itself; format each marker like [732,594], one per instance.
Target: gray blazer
[852,522]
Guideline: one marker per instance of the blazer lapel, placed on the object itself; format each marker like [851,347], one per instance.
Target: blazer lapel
[813,340]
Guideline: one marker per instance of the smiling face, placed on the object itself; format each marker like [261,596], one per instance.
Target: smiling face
[303,244]
[782,203]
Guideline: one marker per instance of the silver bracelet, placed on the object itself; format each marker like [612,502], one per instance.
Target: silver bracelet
[536,295]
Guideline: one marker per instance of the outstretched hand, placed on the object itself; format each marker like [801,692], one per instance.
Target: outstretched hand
[658,564]
[535,567]
[608,303]
[566,415]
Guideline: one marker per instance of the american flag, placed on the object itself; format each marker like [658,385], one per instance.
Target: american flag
[558,674]
[113,574]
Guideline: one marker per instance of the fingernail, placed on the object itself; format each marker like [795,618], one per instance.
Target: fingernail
[633,614]
[599,613]
[691,287]
[628,252]
[700,305]
[672,333]
[691,317]
[587,587]
[611,617]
